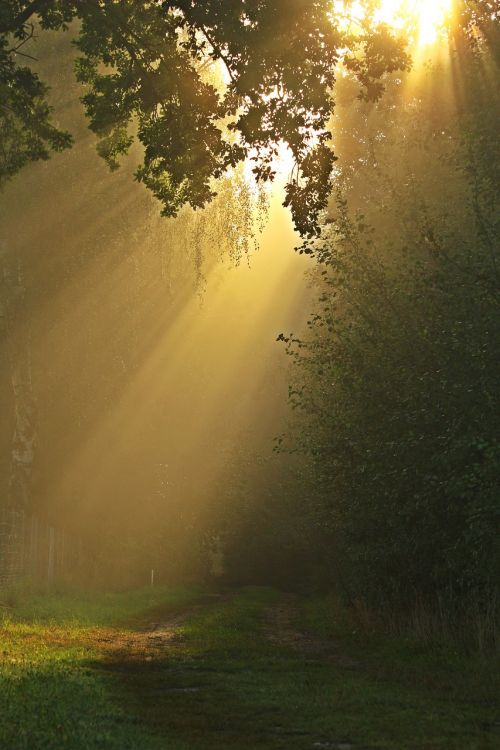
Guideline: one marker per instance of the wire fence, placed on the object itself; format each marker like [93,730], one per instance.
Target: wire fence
[32,548]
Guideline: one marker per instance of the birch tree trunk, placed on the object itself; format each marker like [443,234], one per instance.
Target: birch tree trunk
[16,344]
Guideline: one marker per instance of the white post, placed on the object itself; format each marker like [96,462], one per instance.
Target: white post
[152,577]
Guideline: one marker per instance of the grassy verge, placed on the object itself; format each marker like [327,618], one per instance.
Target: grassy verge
[415,694]
[89,608]
[406,658]
[52,693]
[235,676]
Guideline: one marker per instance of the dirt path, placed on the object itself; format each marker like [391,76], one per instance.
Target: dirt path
[138,655]
[240,672]
[163,686]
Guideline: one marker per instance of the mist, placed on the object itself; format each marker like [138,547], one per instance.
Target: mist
[141,358]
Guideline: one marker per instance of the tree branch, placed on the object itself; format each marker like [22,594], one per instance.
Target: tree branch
[34,7]
[15,50]
[217,50]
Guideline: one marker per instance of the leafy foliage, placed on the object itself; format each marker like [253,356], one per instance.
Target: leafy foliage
[397,382]
[27,133]
[145,66]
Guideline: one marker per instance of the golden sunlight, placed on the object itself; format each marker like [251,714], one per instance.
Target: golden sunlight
[423,18]
[428,16]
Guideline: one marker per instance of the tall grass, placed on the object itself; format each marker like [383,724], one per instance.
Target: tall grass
[470,624]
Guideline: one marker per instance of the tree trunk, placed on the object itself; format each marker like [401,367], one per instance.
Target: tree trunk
[17,341]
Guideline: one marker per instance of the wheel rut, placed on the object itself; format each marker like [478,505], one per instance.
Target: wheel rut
[283,631]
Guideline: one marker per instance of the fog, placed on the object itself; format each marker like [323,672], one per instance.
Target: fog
[140,369]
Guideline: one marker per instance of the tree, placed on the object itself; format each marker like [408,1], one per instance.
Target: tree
[145,64]
[396,384]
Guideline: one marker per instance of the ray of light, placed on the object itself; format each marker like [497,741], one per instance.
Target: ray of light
[423,19]
[428,16]
[203,375]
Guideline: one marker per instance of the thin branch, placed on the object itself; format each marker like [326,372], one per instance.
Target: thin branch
[15,50]
[25,39]
[24,54]
[18,22]
[217,51]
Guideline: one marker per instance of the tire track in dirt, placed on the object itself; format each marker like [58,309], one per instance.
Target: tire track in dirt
[282,631]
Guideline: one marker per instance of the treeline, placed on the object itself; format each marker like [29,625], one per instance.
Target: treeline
[395,427]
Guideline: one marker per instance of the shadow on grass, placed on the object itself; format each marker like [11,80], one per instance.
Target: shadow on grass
[216,680]
[66,707]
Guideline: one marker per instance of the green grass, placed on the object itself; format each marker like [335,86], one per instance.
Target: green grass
[227,684]
[52,693]
[428,695]
[443,666]
[91,608]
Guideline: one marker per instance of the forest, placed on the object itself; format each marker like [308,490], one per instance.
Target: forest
[249,374]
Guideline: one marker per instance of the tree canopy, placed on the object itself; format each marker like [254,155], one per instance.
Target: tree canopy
[144,66]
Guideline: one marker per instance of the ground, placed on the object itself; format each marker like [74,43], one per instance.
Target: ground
[252,668]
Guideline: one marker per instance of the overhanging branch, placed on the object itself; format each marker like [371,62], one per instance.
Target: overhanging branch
[18,22]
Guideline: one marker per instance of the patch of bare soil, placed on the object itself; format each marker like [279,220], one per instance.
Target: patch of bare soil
[282,631]
[127,649]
